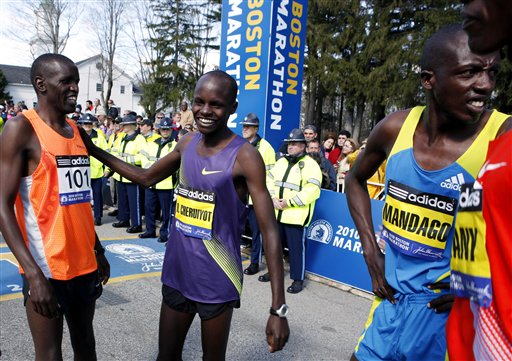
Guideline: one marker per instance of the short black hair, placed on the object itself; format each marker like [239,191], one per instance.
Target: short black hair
[346,133]
[436,49]
[43,63]
[232,82]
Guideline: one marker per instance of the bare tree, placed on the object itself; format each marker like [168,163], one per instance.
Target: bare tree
[108,32]
[149,59]
[54,20]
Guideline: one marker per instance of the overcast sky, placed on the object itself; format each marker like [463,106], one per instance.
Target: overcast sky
[15,32]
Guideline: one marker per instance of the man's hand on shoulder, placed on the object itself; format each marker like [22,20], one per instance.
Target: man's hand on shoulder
[277,332]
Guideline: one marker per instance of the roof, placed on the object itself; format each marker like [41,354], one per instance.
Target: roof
[16,74]
[78,63]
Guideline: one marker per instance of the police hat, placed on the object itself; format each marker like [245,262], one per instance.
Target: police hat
[251,119]
[113,112]
[165,123]
[295,135]
[129,119]
[145,122]
[87,118]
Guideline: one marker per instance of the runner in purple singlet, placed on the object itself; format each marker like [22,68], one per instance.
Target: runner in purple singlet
[202,271]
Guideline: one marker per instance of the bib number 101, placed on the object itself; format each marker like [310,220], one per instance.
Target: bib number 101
[76,178]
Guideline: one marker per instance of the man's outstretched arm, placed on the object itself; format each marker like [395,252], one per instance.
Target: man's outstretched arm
[162,169]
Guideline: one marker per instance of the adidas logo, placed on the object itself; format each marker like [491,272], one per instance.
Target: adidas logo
[454,182]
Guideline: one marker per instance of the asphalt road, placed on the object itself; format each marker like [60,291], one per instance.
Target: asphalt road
[325,321]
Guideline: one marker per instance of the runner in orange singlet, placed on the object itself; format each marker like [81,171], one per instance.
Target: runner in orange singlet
[45,213]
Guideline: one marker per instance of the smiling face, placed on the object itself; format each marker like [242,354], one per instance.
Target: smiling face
[488,23]
[463,83]
[214,102]
[59,85]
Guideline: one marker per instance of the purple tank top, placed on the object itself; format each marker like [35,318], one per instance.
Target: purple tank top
[202,258]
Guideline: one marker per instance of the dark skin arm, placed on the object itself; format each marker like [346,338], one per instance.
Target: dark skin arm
[19,155]
[378,147]
[162,169]
[103,265]
[249,165]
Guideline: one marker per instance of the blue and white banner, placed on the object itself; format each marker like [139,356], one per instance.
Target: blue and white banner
[334,249]
[262,47]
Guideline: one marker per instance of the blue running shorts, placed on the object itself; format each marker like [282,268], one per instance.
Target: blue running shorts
[407,330]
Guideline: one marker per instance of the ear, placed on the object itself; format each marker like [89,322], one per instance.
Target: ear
[427,79]
[235,106]
[39,84]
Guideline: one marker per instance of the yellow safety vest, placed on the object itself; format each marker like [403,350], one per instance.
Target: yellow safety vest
[152,153]
[268,154]
[299,184]
[96,166]
[129,151]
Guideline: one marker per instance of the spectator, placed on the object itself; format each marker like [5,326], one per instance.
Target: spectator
[89,107]
[328,171]
[186,114]
[310,132]
[176,125]
[329,144]
[336,152]
[349,146]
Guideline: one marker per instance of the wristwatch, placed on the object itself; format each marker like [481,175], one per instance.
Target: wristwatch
[281,311]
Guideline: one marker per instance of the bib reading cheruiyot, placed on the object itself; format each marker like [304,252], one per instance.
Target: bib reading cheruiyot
[74,176]
[194,212]
[415,222]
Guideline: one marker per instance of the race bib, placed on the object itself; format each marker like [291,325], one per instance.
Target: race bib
[194,212]
[417,223]
[74,176]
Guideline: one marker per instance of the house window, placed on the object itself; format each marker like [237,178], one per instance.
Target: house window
[122,89]
[99,87]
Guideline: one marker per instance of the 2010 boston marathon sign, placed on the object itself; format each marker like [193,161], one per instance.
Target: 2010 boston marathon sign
[262,47]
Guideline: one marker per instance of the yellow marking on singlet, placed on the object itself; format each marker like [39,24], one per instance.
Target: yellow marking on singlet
[416,223]
[195,213]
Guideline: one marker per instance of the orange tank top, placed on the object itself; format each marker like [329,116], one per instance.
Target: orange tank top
[53,205]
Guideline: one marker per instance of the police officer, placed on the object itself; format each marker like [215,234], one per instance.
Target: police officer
[128,193]
[113,142]
[162,191]
[87,120]
[250,126]
[146,129]
[294,185]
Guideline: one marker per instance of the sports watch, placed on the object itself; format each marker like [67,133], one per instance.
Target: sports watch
[281,311]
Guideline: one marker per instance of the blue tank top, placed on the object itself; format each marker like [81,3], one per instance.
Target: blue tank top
[420,208]
[202,258]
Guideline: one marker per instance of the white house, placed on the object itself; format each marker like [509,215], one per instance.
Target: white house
[125,94]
